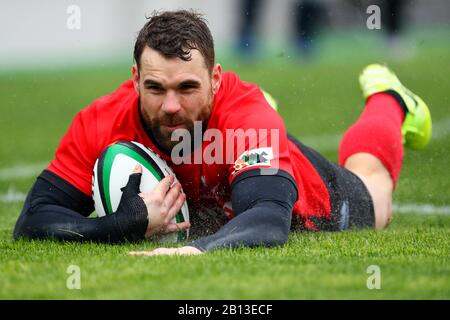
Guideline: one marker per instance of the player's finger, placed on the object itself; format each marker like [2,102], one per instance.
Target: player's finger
[134,181]
[137,169]
[155,252]
[172,196]
[176,206]
[162,187]
[137,253]
[142,253]
[175,227]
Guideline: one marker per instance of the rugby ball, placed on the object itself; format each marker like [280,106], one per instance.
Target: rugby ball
[112,170]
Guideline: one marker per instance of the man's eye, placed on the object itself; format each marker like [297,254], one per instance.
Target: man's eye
[155,88]
[188,87]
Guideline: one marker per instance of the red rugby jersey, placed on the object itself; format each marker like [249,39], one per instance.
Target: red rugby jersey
[238,105]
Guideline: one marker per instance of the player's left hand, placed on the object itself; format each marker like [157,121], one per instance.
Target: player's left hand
[182,251]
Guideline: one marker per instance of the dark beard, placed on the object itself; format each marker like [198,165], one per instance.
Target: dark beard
[162,142]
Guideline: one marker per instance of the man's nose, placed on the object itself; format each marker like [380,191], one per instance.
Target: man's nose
[171,104]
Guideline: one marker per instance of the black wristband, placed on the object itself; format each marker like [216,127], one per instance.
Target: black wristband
[131,215]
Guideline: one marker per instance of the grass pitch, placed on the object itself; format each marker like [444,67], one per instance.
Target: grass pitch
[318,101]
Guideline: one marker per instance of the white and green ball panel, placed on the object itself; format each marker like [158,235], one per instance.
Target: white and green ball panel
[112,171]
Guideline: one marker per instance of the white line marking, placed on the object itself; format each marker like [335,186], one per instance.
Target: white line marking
[14,196]
[22,171]
[441,129]
[419,208]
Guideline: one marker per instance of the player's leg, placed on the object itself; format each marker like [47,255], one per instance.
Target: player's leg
[378,182]
[373,147]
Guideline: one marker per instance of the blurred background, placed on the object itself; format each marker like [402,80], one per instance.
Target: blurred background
[56,57]
[68,32]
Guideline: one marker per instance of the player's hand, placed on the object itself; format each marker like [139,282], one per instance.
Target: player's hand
[163,203]
[182,251]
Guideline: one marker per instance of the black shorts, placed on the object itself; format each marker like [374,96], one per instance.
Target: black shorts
[351,203]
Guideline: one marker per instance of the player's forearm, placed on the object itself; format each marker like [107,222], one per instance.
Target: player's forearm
[43,217]
[53,222]
[263,206]
[267,225]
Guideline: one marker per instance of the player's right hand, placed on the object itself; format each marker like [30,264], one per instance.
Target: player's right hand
[163,203]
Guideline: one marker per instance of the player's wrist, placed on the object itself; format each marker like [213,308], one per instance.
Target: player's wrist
[131,216]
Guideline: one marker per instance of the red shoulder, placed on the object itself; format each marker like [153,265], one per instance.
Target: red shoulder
[115,99]
[92,129]
[109,105]
[240,104]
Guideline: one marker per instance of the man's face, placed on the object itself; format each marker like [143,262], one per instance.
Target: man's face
[174,93]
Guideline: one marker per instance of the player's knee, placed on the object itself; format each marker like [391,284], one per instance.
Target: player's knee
[383,214]
[380,188]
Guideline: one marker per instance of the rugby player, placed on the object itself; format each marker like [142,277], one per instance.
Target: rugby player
[285,186]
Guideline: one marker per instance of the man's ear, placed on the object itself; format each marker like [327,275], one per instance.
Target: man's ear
[216,78]
[135,77]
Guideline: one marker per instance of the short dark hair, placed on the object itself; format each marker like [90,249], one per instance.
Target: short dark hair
[175,34]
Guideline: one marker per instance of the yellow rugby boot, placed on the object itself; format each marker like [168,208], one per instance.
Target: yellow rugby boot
[417,127]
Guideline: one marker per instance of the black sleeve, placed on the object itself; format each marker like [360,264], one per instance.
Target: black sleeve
[56,209]
[262,203]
